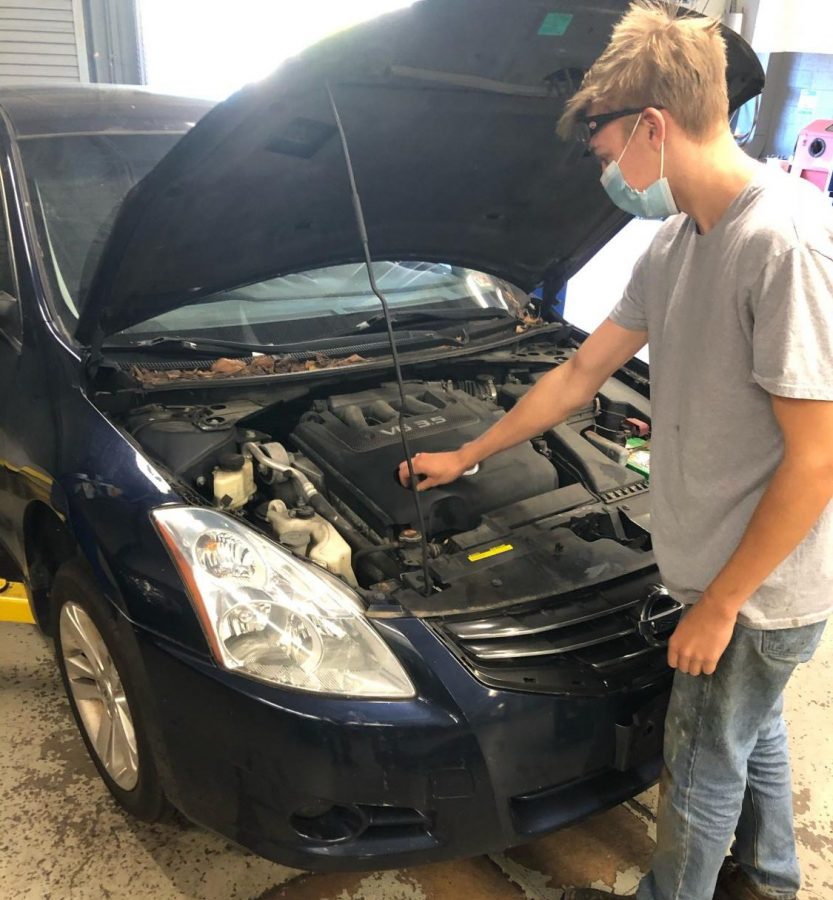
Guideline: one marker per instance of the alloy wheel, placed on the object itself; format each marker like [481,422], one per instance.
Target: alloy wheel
[99,695]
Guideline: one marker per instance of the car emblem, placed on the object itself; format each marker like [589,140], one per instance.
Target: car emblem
[658,616]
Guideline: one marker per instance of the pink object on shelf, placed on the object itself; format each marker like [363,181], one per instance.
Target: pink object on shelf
[813,158]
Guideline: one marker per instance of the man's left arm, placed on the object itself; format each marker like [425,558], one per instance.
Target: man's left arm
[800,489]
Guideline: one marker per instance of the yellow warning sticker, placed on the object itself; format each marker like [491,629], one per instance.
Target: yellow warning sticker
[492,551]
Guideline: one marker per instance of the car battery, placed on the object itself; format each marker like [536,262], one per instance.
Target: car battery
[813,157]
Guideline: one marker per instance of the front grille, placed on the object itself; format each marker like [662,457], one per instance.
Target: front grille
[370,824]
[591,641]
[392,823]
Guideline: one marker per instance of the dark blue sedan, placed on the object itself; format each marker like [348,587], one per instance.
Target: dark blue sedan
[255,622]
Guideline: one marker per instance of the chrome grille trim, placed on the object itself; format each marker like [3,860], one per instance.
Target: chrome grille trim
[598,634]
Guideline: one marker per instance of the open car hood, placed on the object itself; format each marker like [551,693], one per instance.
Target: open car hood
[450,109]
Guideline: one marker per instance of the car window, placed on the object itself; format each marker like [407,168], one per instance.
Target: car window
[77,183]
[319,302]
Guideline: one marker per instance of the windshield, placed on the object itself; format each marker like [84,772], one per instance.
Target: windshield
[77,183]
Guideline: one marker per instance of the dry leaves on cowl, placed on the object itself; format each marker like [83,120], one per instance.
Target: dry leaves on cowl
[241,368]
[527,321]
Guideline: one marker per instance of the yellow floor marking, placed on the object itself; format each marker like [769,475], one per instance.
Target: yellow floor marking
[14,604]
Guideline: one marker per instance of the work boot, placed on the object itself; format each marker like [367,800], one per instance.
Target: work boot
[734,884]
[592,894]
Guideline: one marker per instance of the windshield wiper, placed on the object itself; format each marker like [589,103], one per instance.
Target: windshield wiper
[203,345]
[417,316]
[370,325]
[329,344]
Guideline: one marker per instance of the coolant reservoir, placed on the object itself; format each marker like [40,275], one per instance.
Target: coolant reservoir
[234,481]
[324,545]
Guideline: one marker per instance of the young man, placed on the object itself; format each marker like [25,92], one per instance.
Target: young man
[735,295]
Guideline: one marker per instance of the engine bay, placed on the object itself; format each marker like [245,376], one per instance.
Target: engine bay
[318,474]
[355,440]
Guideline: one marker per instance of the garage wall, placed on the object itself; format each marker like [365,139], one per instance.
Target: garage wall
[781,115]
[807,72]
[114,41]
[42,40]
[796,26]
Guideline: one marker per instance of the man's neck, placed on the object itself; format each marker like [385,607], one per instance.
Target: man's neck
[710,179]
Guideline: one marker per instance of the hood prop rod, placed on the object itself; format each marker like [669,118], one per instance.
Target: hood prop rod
[360,222]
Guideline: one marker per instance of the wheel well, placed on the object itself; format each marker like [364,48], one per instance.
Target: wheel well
[48,543]
[9,569]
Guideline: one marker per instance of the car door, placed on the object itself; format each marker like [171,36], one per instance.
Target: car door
[11,334]
[27,422]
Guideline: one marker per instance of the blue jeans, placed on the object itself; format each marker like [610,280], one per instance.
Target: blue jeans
[727,771]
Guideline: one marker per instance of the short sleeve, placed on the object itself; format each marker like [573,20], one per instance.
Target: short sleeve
[792,331]
[631,311]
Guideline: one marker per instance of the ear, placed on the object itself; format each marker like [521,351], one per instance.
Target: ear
[654,121]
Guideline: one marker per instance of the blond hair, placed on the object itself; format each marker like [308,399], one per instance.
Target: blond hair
[658,57]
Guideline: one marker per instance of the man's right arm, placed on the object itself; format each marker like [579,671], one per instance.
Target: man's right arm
[552,399]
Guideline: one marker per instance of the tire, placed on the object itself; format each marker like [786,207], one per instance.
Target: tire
[102,694]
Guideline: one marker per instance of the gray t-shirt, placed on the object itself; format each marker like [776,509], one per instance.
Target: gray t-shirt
[733,316]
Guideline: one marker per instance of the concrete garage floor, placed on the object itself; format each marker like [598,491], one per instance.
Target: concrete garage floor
[62,838]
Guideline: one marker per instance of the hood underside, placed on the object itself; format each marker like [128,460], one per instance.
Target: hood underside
[449,107]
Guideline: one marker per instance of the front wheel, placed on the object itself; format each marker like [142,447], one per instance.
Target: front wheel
[102,697]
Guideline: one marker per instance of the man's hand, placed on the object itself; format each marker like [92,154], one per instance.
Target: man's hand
[439,468]
[701,638]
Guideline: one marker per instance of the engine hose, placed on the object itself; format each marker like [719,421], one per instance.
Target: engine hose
[360,545]
[373,548]
[380,569]
[305,486]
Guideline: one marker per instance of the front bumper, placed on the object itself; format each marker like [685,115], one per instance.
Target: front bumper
[322,783]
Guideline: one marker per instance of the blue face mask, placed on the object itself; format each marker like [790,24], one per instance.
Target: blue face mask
[655,202]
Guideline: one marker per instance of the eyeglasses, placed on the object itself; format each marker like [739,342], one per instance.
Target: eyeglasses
[587,127]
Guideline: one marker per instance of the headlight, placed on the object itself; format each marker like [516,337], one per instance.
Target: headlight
[273,617]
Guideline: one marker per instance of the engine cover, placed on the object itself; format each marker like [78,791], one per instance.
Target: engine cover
[355,439]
